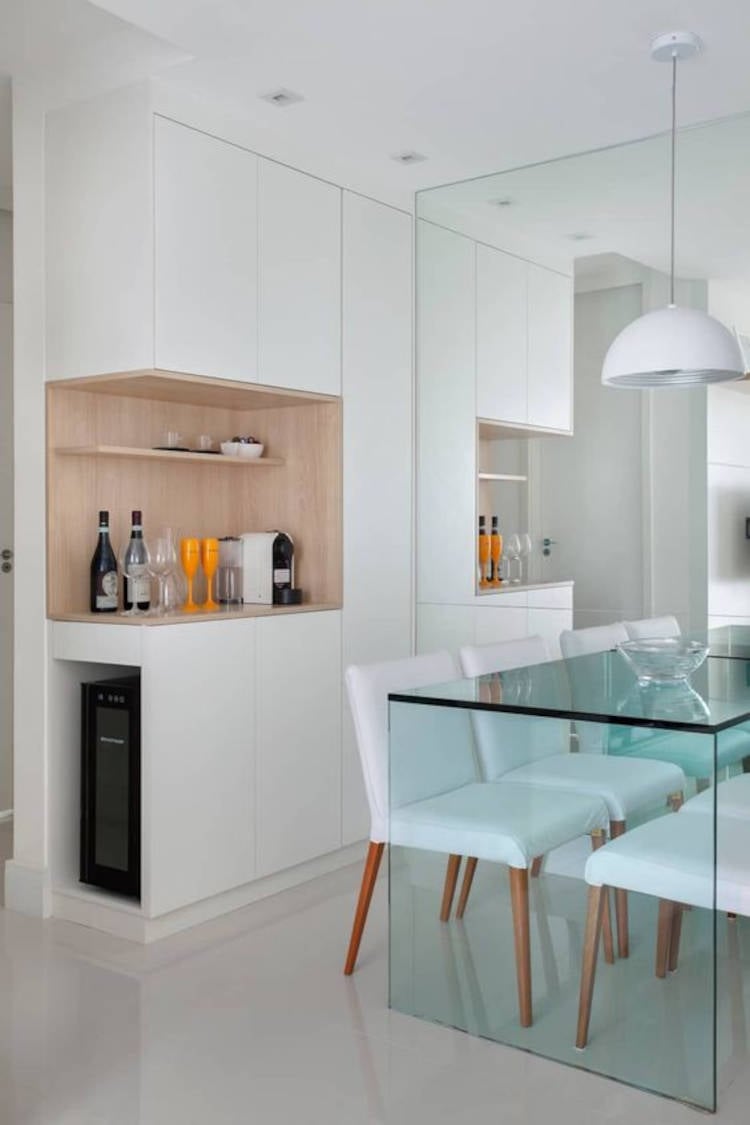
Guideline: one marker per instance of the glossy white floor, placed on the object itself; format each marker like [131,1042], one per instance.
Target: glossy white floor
[249,1020]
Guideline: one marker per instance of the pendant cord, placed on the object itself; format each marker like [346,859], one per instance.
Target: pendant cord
[672,186]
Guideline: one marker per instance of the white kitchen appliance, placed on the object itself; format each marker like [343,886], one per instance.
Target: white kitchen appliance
[267,567]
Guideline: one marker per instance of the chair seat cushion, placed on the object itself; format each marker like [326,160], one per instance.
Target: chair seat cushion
[732,799]
[623,784]
[672,857]
[497,821]
[693,753]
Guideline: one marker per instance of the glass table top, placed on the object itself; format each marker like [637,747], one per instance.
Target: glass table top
[730,641]
[602,687]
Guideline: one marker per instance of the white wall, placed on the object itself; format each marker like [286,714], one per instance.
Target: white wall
[728,455]
[26,876]
[6,510]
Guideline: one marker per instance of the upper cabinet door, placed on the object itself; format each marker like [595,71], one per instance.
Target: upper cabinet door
[300,280]
[206,254]
[550,350]
[501,335]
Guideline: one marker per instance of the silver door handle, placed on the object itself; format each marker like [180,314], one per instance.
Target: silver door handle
[6,553]
[546,545]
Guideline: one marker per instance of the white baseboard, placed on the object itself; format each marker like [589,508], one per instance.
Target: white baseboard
[27,889]
[84,907]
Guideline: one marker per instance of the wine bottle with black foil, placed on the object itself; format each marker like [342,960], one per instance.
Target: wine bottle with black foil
[136,578]
[103,583]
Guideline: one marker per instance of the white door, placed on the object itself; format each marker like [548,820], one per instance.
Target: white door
[589,485]
[299,306]
[550,354]
[6,515]
[206,218]
[501,335]
[377,390]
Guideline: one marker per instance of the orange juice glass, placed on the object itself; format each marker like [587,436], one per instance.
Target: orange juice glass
[209,561]
[190,555]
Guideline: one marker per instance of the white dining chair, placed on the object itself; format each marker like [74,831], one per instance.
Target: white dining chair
[535,751]
[673,859]
[653,628]
[732,799]
[439,803]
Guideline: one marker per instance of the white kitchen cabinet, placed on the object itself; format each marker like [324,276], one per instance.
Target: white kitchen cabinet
[446,415]
[299,308]
[492,625]
[198,761]
[205,222]
[378,416]
[550,349]
[501,336]
[298,702]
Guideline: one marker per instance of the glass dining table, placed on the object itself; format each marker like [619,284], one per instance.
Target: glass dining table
[683,1034]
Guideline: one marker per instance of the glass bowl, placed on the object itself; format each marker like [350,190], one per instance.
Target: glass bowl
[663,660]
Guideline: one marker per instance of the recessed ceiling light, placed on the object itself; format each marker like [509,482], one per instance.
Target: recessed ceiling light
[579,236]
[504,201]
[282,98]
[408,157]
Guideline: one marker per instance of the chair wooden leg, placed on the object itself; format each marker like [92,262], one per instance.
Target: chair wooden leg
[676,800]
[536,866]
[519,896]
[617,828]
[449,889]
[598,839]
[598,897]
[463,898]
[674,938]
[664,936]
[370,874]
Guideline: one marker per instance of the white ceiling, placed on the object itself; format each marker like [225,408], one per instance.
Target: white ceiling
[476,85]
[618,198]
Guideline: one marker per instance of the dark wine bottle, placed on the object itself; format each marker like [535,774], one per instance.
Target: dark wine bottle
[103,584]
[137,582]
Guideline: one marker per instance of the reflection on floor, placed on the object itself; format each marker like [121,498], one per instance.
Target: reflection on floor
[654,1034]
[249,1019]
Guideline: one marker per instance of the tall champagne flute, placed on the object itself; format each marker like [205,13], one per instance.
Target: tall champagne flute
[190,555]
[163,563]
[209,561]
[514,559]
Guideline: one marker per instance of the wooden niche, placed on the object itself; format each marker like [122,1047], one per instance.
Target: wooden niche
[101,439]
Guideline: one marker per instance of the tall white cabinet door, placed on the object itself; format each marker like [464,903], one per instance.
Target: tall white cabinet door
[198,761]
[300,280]
[550,352]
[378,416]
[446,416]
[501,335]
[299,738]
[205,200]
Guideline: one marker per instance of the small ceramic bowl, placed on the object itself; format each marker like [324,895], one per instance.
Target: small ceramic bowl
[249,449]
[231,448]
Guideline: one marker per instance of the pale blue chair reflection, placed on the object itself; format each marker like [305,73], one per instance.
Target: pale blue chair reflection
[521,748]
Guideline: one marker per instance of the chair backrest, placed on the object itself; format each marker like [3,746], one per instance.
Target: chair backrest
[434,763]
[505,741]
[599,638]
[592,737]
[650,627]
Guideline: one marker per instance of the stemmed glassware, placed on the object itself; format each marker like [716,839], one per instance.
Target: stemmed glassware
[209,562]
[514,559]
[526,549]
[136,570]
[190,555]
[163,556]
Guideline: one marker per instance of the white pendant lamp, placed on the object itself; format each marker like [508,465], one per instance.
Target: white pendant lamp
[673,347]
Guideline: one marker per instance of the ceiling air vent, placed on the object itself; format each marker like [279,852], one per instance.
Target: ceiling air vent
[282,98]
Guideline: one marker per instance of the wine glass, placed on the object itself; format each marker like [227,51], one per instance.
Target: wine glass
[209,561]
[136,567]
[190,555]
[163,562]
[514,559]
[526,549]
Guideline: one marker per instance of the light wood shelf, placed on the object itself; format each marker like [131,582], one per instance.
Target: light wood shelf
[230,613]
[166,455]
[503,476]
[101,439]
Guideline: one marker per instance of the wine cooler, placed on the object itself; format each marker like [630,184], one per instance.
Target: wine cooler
[111,785]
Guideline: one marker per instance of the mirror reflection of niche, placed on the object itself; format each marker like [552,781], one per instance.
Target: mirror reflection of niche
[647,501]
